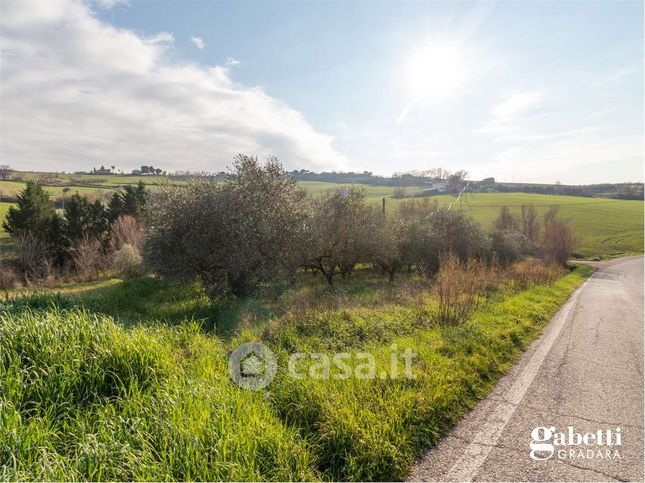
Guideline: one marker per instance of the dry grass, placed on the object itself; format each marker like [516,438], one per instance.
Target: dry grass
[530,272]
[458,288]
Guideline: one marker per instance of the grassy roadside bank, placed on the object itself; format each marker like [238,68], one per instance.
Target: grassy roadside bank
[84,397]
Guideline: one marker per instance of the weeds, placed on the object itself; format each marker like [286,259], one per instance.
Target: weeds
[84,398]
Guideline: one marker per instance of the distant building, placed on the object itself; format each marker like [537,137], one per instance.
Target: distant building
[5,173]
[102,170]
[436,186]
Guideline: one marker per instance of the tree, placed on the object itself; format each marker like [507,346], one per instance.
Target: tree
[457,181]
[115,206]
[508,245]
[506,220]
[131,201]
[559,240]
[84,219]
[431,232]
[234,235]
[35,218]
[388,242]
[336,236]
[529,223]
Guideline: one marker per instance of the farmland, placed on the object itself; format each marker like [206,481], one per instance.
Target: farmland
[605,227]
[135,372]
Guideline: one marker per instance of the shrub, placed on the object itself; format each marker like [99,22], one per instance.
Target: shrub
[529,224]
[458,288]
[559,242]
[87,257]
[506,220]
[234,235]
[126,230]
[33,257]
[430,232]
[508,245]
[527,273]
[128,261]
[9,277]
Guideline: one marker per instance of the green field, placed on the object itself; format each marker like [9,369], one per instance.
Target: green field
[112,381]
[12,188]
[605,227]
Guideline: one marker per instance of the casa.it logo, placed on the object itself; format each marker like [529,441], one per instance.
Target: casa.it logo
[570,444]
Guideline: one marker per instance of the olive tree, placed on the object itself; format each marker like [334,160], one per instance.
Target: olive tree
[233,235]
[388,242]
[431,232]
[336,235]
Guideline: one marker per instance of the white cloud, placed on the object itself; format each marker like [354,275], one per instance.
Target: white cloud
[108,4]
[232,61]
[508,114]
[574,156]
[78,92]
[199,42]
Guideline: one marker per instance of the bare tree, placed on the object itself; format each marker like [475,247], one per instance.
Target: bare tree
[529,223]
[126,230]
[506,220]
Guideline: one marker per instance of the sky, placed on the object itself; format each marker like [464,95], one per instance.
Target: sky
[521,91]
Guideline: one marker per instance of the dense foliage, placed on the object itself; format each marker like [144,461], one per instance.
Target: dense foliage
[233,235]
[78,236]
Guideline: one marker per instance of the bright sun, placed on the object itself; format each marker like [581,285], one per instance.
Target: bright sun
[434,71]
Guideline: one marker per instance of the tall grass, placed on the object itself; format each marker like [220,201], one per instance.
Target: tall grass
[85,398]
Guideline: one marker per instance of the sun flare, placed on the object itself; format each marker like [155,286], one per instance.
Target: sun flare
[434,71]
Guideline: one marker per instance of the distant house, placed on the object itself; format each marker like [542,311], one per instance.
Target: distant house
[5,173]
[439,185]
[102,170]
[436,186]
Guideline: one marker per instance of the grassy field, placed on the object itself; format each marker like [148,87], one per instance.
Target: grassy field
[606,227]
[112,380]
[12,188]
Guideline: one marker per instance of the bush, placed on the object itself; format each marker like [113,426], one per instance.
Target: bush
[431,232]
[508,245]
[559,242]
[527,273]
[9,278]
[458,288]
[128,261]
[234,235]
[87,257]
[33,257]
[126,230]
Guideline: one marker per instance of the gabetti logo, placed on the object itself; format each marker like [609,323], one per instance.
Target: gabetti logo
[570,444]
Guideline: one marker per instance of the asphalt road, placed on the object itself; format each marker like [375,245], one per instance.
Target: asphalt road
[585,372]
